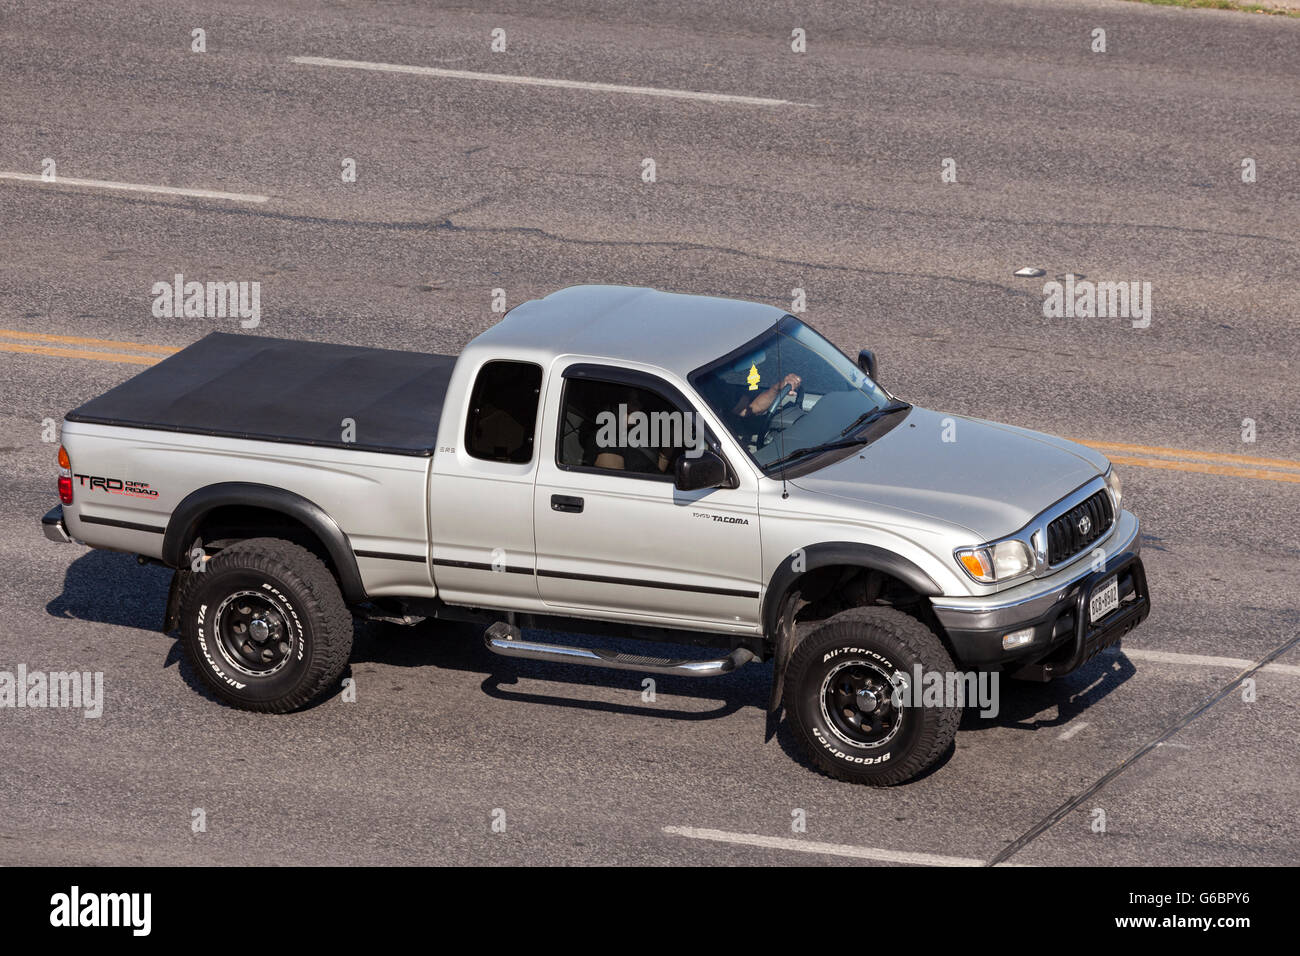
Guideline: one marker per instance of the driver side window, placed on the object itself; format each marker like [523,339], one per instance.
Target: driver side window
[612,427]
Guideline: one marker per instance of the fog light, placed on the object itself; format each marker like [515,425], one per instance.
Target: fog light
[1017,638]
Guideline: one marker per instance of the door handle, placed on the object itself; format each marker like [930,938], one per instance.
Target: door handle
[566,503]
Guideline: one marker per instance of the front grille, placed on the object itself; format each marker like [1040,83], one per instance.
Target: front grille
[1065,539]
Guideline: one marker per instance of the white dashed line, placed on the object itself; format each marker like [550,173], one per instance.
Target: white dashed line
[829,849]
[1072,730]
[1202,660]
[542,81]
[134,187]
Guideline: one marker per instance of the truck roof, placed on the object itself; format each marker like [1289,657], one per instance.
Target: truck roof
[673,331]
[250,386]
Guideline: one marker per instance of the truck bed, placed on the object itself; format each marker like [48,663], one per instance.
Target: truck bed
[280,390]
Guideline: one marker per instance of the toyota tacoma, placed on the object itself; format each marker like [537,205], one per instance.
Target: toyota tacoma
[609,462]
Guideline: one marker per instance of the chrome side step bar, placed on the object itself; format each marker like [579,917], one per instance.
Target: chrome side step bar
[506,640]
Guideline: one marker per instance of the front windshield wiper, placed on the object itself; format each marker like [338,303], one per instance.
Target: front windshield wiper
[866,418]
[824,446]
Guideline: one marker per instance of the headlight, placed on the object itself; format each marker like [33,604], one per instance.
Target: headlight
[1000,561]
[1115,485]
[1010,559]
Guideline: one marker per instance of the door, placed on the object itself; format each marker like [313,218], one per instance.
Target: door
[613,534]
[481,493]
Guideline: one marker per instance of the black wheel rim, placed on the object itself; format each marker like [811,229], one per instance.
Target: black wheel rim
[253,633]
[857,703]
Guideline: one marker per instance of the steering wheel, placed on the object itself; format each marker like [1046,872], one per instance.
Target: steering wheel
[776,404]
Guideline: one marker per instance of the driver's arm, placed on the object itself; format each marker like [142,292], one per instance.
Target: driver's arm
[764,399]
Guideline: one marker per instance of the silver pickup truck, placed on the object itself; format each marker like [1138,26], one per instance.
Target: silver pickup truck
[618,463]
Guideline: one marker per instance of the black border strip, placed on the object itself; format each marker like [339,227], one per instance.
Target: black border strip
[389,556]
[638,583]
[478,566]
[128,525]
[595,578]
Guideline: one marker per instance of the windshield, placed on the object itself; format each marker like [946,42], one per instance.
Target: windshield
[790,393]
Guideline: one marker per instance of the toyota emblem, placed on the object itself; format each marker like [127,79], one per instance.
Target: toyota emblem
[1084,525]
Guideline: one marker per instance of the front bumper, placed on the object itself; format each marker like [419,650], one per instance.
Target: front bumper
[1064,636]
[53,526]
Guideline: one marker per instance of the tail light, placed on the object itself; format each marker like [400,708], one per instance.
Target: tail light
[65,476]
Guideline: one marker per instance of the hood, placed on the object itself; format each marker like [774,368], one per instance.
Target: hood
[992,480]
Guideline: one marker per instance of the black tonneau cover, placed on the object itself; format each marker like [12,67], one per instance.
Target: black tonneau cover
[247,386]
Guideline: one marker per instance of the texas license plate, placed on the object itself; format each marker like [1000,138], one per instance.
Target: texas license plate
[1104,599]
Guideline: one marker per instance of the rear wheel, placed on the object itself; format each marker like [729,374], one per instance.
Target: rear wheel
[840,693]
[265,626]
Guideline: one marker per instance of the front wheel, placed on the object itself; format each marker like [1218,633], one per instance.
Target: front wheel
[844,692]
[265,626]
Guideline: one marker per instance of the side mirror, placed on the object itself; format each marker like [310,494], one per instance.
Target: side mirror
[867,362]
[707,470]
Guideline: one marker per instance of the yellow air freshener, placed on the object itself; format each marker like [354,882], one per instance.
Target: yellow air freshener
[753,378]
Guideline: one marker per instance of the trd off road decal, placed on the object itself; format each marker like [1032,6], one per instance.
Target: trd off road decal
[117,486]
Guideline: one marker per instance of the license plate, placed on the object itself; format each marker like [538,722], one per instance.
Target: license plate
[1104,599]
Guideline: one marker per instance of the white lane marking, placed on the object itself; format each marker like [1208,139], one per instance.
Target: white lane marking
[1072,730]
[830,849]
[134,187]
[1202,660]
[542,81]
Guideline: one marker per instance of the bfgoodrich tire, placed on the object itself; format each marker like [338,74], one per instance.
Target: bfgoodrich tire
[839,694]
[264,625]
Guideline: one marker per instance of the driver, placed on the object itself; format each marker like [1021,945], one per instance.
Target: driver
[734,393]
[764,399]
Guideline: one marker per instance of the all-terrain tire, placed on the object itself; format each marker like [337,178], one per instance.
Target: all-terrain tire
[845,667]
[264,625]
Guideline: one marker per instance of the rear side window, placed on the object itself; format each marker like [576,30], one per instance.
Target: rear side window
[503,412]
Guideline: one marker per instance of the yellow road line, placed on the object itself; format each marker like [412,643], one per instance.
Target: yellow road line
[79,353]
[1194,455]
[77,340]
[1207,469]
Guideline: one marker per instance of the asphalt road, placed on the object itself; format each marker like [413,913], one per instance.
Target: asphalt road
[1123,165]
